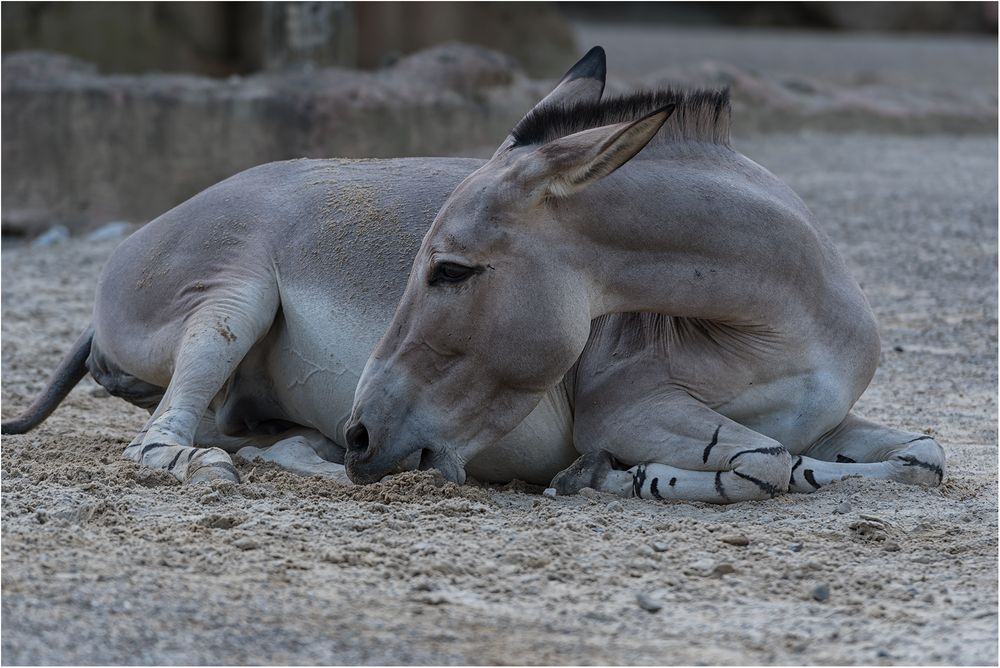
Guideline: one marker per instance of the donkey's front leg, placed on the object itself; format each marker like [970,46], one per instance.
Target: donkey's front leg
[675,449]
[300,450]
[308,453]
[860,448]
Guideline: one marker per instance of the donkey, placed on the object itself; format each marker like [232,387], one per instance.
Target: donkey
[704,330]
[242,319]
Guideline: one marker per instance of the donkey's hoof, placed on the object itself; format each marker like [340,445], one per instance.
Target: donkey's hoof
[590,470]
[211,464]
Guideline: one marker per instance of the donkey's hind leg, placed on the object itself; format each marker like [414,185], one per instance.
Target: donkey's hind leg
[302,454]
[300,450]
[861,448]
[671,446]
[212,344]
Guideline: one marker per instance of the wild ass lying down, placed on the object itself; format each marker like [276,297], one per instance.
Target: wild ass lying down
[243,318]
[707,334]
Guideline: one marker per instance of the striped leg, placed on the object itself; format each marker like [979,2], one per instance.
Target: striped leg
[673,447]
[214,342]
[860,448]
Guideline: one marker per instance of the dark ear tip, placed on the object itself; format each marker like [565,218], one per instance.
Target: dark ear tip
[593,65]
[666,110]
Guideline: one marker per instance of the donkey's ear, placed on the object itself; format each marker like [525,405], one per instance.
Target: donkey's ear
[583,82]
[571,163]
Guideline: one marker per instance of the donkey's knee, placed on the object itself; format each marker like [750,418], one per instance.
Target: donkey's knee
[920,461]
[762,472]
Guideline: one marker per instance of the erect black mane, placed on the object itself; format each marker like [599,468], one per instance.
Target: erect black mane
[700,115]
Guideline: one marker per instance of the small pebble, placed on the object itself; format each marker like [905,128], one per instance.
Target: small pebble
[615,507]
[245,544]
[658,547]
[891,546]
[843,508]
[110,231]
[820,593]
[898,349]
[550,492]
[648,603]
[722,569]
[702,567]
[736,539]
[795,547]
[220,521]
[55,235]
[589,493]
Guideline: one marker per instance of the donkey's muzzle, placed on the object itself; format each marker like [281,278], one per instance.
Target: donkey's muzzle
[368,460]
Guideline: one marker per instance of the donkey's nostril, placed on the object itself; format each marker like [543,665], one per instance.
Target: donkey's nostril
[357,437]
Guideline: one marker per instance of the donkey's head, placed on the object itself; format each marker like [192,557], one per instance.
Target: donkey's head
[496,309]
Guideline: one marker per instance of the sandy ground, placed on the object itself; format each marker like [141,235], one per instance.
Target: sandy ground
[104,562]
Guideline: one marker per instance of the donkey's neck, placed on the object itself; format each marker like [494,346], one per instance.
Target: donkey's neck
[705,234]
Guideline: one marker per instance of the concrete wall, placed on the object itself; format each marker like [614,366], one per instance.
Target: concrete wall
[81,149]
[211,38]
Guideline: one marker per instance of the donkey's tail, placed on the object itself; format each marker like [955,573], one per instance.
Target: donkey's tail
[69,372]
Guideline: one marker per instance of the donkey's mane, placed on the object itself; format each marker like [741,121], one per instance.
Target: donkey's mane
[700,115]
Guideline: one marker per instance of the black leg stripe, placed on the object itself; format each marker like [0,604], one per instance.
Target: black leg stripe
[772,450]
[654,487]
[810,478]
[637,480]
[151,446]
[791,478]
[173,462]
[226,466]
[841,459]
[718,485]
[708,448]
[910,460]
[766,486]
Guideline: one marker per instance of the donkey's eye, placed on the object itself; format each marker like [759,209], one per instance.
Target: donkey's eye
[449,272]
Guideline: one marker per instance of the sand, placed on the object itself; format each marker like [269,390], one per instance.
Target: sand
[104,562]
